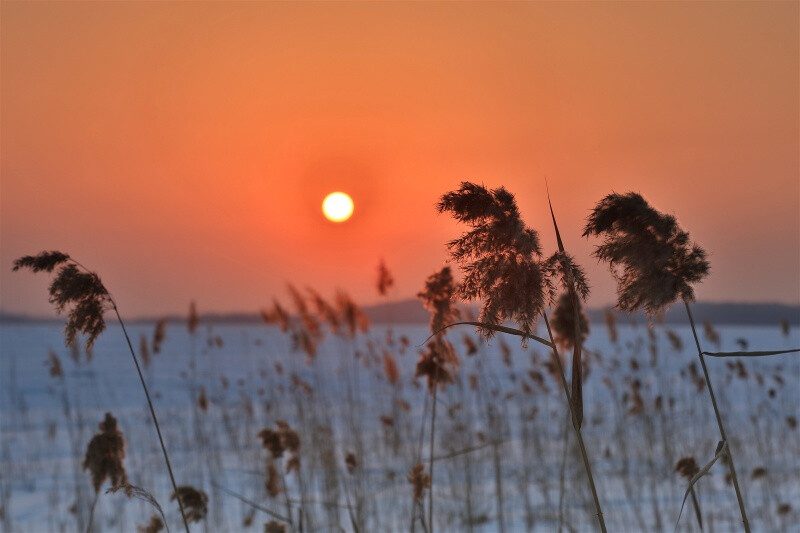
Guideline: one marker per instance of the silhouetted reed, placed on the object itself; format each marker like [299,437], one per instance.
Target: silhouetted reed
[385,279]
[503,266]
[654,264]
[104,457]
[80,290]
[439,361]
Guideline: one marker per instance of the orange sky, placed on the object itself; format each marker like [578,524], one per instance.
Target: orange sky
[183,149]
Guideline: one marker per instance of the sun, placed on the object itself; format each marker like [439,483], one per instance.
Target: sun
[337,207]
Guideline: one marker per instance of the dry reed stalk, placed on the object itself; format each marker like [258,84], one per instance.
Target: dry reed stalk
[439,361]
[79,289]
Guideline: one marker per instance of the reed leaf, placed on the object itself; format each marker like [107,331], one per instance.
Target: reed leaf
[722,449]
[750,354]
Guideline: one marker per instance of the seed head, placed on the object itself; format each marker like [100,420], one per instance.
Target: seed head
[75,289]
[105,454]
[650,256]
[562,321]
[419,480]
[499,255]
[194,501]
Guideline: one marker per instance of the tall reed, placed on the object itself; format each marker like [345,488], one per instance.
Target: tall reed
[503,266]
[654,264]
[80,290]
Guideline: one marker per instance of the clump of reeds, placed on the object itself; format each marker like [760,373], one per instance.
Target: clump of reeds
[81,292]
[655,264]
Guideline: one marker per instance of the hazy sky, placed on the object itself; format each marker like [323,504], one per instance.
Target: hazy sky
[183,149]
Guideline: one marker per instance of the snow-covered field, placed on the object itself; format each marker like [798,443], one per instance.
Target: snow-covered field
[644,411]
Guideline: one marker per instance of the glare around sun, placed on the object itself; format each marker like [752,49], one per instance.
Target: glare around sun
[337,207]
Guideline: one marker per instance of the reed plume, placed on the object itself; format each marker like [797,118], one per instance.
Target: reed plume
[385,279]
[419,481]
[76,290]
[155,525]
[501,258]
[159,334]
[562,320]
[193,320]
[194,501]
[650,256]
[105,454]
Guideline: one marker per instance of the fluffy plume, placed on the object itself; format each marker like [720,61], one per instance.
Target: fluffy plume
[277,315]
[54,364]
[73,288]
[325,311]
[351,314]
[419,480]
[272,483]
[193,320]
[385,279]
[105,454]
[500,256]
[562,321]
[437,363]
[650,256]
[159,334]
[43,261]
[154,526]
[273,526]
[194,501]
[390,368]
[687,467]
[437,297]
[351,462]
[144,350]
[562,268]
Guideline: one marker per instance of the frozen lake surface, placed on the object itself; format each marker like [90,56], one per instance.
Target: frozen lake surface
[215,390]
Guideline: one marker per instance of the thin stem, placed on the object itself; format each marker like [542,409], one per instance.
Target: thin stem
[433,428]
[153,414]
[576,426]
[91,513]
[719,419]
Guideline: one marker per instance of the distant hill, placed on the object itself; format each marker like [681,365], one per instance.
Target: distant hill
[411,312]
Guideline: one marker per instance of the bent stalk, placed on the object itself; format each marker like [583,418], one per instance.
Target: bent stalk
[719,420]
[153,414]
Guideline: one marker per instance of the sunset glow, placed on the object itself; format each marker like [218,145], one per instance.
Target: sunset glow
[337,207]
[211,132]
